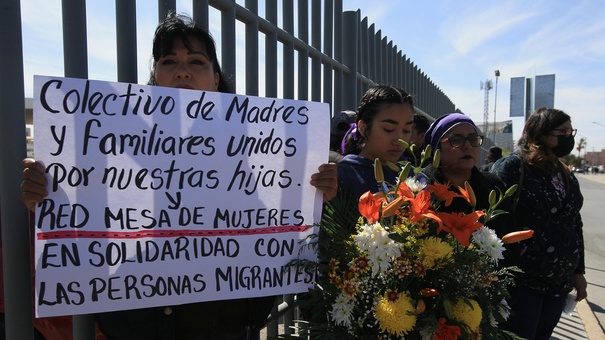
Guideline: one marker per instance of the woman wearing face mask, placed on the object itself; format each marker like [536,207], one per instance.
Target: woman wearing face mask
[549,202]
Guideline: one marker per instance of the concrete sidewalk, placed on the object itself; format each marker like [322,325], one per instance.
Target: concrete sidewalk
[582,324]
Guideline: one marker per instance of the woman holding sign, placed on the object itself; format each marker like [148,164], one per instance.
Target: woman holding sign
[184,56]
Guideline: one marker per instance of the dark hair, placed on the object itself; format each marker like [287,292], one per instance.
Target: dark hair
[540,124]
[372,102]
[495,152]
[421,123]
[181,26]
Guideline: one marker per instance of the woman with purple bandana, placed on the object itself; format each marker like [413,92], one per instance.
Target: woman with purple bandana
[459,141]
[385,115]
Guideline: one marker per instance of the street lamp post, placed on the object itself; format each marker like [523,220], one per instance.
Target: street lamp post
[497,72]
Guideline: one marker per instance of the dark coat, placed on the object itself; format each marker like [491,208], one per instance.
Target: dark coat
[356,176]
[229,319]
[551,207]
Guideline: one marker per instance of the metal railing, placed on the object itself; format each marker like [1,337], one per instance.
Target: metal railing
[345,56]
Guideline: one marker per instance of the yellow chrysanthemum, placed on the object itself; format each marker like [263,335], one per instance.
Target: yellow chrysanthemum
[433,249]
[395,317]
[464,313]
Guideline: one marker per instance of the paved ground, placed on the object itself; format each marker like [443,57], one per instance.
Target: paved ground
[582,324]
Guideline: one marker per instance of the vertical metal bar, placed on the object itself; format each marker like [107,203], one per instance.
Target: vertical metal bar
[271,51]
[364,52]
[382,60]
[338,75]
[328,50]
[399,67]
[289,316]
[75,54]
[303,55]
[288,54]
[389,61]
[379,64]
[350,25]
[228,61]
[372,64]
[76,66]
[16,240]
[316,42]
[165,6]
[416,76]
[126,40]
[408,77]
[201,13]
[404,72]
[252,51]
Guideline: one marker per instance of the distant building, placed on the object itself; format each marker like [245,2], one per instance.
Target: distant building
[504,134]
[528,94]
[595,158]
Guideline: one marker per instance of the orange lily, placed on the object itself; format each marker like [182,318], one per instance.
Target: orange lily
[517,236]
[443,193]
[461,225]
[392,207]
[404,191]
[420,307]
[429,292]
[421,207]
[468,194]
[369,206]
[446,332]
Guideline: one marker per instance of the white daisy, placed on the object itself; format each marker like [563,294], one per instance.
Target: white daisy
[342,310]
[489,243]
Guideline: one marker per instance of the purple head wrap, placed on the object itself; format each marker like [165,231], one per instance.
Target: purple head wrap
[442,125]
[354,134]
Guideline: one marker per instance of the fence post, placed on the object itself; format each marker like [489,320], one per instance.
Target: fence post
[126,39]
[350,29]
[15,232]
[76,66]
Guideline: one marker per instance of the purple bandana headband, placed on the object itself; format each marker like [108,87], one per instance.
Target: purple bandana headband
[353,132]
[442,125]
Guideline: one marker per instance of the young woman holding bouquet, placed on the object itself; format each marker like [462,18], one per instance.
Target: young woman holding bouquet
[419,264]
[549,202]
[385,115]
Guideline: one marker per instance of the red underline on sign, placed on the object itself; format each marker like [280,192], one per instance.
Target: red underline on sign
[53,235]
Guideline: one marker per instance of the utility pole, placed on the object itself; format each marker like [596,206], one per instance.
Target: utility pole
[497,72]
[486,86]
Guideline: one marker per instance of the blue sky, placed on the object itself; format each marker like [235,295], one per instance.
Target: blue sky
[457,43]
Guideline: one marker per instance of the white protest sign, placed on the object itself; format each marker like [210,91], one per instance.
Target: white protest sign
[162,196]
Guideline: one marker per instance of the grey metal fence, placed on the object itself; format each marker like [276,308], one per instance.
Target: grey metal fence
[343,57]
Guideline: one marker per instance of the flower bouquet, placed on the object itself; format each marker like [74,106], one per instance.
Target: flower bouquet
[405,270]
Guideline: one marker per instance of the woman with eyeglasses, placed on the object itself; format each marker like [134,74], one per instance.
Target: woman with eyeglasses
[457,138]
[549,202]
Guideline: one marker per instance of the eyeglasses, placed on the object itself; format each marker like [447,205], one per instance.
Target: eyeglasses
[565,132]
[457,141]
